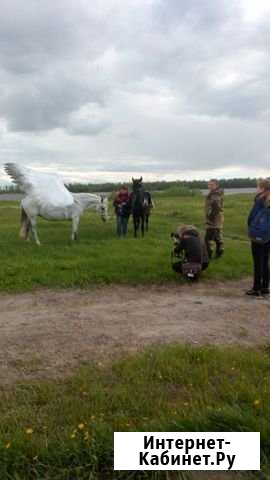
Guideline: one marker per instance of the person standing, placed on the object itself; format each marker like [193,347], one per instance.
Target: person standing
[260,245]
[122,206]
[214,218]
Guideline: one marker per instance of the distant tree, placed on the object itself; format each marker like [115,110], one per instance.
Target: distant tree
[9,189]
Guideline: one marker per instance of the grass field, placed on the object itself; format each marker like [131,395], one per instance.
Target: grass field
[64,430]
[99,257]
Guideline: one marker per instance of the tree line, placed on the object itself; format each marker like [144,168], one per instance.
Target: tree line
[152,186]
[163,185]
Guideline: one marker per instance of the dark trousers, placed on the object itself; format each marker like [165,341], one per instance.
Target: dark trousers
[260,254]
[121,225]
[214,235]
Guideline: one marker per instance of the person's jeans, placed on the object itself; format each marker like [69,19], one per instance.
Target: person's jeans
[260,254]
[121,225]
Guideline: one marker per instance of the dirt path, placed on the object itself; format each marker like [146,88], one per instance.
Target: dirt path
[48,333]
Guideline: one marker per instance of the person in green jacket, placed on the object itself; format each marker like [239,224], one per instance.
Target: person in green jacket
[214,216]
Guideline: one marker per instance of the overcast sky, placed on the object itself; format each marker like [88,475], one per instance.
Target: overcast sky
[103,90]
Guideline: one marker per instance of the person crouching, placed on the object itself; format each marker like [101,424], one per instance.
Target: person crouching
[191,251]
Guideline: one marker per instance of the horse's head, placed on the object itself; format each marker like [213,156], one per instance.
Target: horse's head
[103,208]
[137,184]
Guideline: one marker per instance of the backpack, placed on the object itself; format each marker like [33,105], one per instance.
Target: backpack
[259,223]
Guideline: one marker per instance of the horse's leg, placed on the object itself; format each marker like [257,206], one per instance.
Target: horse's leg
[28,230]
[147,215]
[138,224]
[146,222]
[33,223]
[24,230]
[142,225]
[135,225]
[75,226]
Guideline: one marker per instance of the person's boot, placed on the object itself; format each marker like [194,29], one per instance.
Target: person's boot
[253,293]
[219,251]
[209,252]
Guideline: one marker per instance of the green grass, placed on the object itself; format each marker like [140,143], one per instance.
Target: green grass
[166,389]
[99,257]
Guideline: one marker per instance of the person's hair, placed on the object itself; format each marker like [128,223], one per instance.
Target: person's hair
[184,228]
[214,180]
[264,183]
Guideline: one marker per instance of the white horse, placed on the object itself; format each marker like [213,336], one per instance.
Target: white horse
[48,197]
[31,210]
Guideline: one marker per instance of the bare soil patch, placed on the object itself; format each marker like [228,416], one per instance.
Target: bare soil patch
[49,333]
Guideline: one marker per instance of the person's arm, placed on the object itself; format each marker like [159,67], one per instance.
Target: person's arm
[115,200]
[215,207]
[178,249]
[116,203]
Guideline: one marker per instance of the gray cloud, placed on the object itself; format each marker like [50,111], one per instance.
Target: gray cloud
[133,85]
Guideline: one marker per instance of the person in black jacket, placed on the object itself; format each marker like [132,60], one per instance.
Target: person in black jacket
[191,250]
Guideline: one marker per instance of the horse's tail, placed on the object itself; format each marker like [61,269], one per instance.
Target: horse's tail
[24,224]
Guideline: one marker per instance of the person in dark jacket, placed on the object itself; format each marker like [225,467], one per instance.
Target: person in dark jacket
[122,207]
[214,218]
[191,250]
[260,251]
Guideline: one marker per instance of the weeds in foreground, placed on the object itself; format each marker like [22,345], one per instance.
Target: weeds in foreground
[65,430]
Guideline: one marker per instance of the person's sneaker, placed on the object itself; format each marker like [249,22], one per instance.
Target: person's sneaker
[219,253]
[253,293]
[265,291]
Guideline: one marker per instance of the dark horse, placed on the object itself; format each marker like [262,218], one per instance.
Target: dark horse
[141,206]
